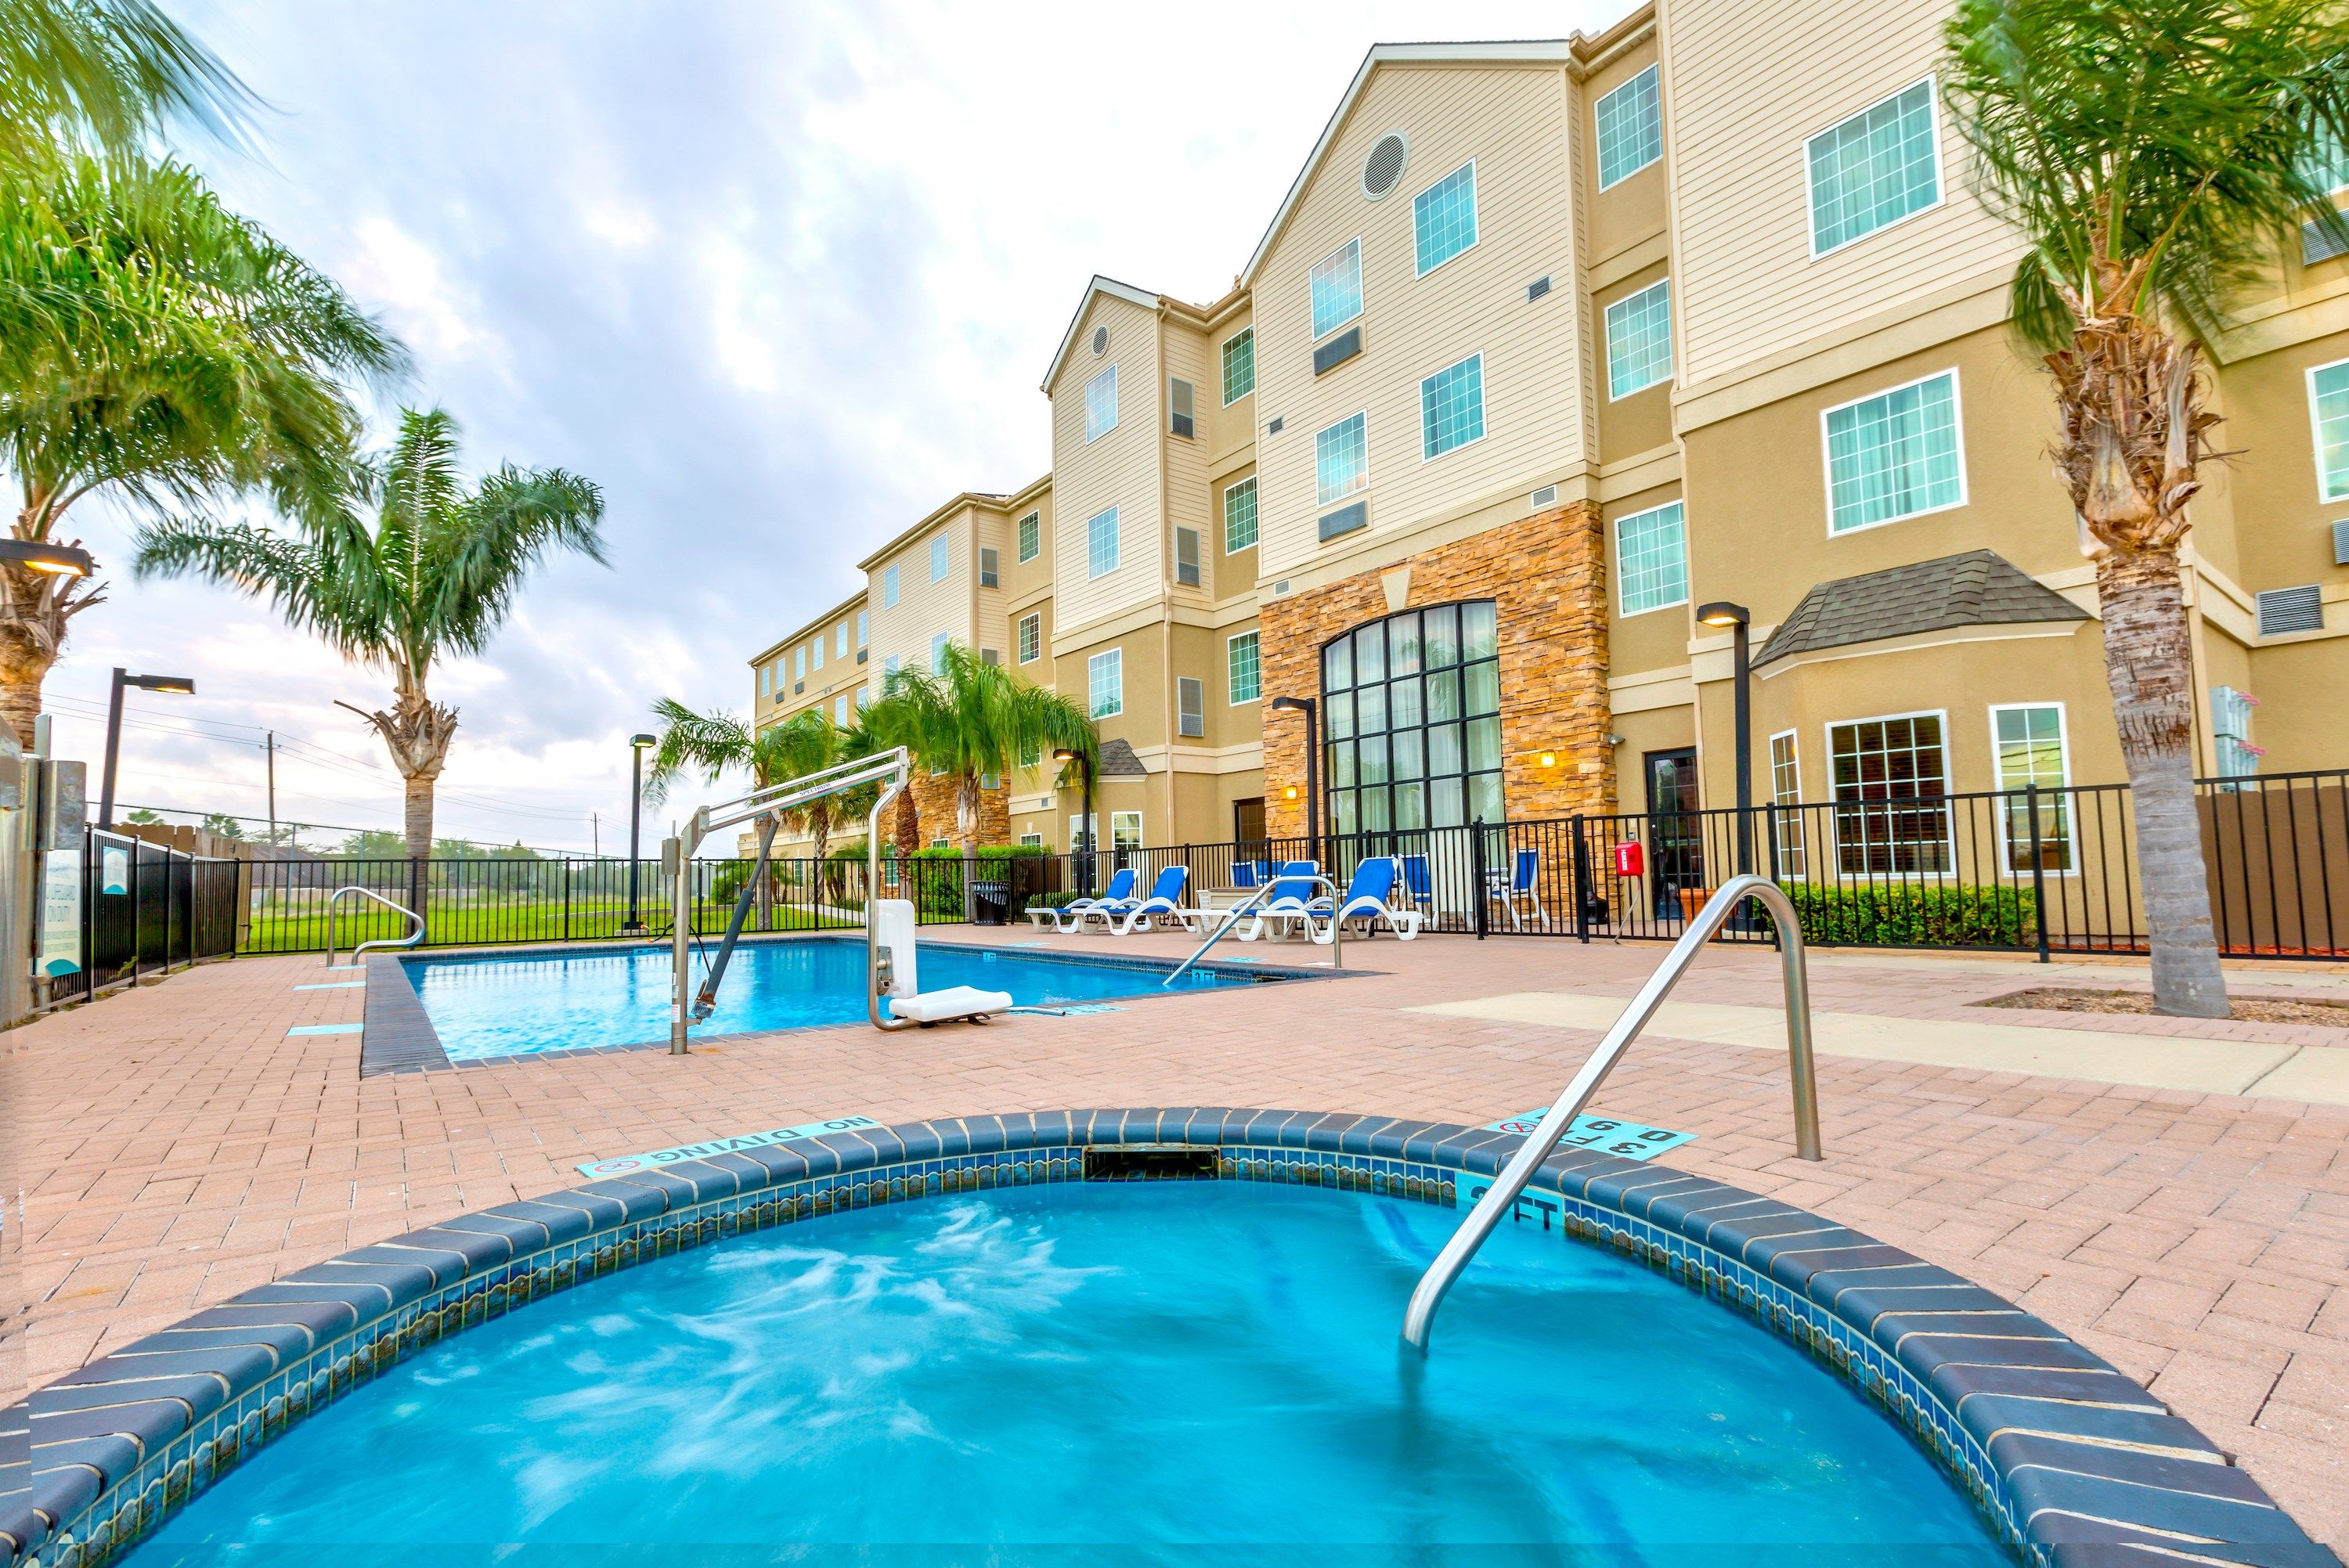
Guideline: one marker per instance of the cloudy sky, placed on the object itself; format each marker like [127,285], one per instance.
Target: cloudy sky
[779,276]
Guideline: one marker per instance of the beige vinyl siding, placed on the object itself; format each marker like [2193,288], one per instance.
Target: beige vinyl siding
[1509,121]
[925,608]
[1740,102]
[991,531]
[1120,468]
[1189,500]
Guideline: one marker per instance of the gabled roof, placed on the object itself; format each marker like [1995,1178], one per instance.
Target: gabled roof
[1979,588]
[1100,286]
[1118,761]
[1556,50]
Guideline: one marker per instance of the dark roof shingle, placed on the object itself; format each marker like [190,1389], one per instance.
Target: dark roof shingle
[1979,588]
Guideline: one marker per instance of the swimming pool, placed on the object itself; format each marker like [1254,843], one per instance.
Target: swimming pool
[520,1005]
[1132,1365]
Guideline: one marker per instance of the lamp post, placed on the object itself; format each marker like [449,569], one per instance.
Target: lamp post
[40,555]
[1310,709]
[1722,613]
[1084,810]
[637,744]
[181,685]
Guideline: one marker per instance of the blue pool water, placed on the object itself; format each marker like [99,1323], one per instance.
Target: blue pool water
[509,1007]
[1095,1373]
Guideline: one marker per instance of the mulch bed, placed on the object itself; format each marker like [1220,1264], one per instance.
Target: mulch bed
[2249,1009]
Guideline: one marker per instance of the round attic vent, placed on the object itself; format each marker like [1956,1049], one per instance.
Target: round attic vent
[1100,341]
[1384,165]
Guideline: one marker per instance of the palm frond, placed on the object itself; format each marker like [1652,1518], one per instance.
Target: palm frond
[107,73]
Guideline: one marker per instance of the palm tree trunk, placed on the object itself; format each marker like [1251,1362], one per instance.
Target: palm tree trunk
[2148,660]
[418,826]
[24,665]
[966,831]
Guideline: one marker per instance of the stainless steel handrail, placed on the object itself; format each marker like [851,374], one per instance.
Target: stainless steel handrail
[1502,1196]
[410,940]
[1232,918]
[880,1018]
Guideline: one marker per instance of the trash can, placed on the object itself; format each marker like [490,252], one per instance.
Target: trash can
[990,902]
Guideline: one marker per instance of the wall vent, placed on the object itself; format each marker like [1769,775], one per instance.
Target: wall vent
[2340,544]
[1191,706]
[991,569]
[2285,610]
[2316,246]
[1383,167]
[1281,586]
[1535,289]
[1187,557]
[1345,520]
[1544,499]
[989,656]
[1180,407]
[1337,351]
[1273,429]
[1100,341]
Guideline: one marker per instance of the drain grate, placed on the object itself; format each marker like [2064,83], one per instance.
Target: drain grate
[1174,1162]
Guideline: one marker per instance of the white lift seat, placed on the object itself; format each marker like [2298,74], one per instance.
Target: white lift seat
[954,1001]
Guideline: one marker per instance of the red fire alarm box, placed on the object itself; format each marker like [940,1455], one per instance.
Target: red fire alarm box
[1629,861]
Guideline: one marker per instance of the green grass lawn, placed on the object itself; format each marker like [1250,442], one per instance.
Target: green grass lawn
[482,921]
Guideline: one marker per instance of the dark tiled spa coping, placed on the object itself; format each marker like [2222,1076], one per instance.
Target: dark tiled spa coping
[398,1035]
[2070,1461]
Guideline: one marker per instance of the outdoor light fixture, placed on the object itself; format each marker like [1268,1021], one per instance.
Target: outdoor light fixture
[1310,708]
[637,744]
[1722,613]
[178,685]
[57,559]
[1084,811]
[1549,760]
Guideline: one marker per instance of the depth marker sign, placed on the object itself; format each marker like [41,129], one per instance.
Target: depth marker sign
[1628,1140]
[621,1165]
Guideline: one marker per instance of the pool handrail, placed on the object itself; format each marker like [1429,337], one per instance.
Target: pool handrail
[768,802]
[410,940]
[1232,918]
[880,1018]
[1501,1197]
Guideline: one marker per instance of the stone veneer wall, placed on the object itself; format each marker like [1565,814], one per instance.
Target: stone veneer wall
[1548,575]
[934,806]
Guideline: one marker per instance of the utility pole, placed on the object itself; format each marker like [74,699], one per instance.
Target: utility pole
[273,786]
[595,834]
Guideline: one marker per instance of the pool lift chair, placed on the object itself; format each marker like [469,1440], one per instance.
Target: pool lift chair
[889,923]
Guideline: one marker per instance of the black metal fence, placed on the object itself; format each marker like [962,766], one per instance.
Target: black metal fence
[2038,870]
[148,909]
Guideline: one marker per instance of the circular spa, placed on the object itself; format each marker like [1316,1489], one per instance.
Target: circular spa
[1102,1342]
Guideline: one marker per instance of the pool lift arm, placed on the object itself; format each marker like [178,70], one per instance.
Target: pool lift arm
[766,806]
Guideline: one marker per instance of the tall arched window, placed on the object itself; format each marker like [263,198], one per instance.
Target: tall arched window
[1412,714]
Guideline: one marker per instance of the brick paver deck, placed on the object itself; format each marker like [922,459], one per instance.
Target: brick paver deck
[180,1146]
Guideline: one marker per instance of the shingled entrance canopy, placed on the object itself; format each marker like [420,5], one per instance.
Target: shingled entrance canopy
[1979,588]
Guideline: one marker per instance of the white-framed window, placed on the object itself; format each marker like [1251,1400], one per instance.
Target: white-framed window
[888,590]
[1443,218]
[1651,559]
[839,641]
[2027,746]
[1078,837]
[1239,366]
[2230,727]
[1032,536]
[938,559]
[1342,458]
[1639,339]
[766,679]
[1244,666]
[863,697]
[1125,831]
[1890,780]
[1630,122]
[1337,287]
[815,652]
[1793,860]
[941,841]
[1896,454]
[1105,684]
[1239,515]
[1452,408]
[799,663]
[889,667]
[1100,404]
[2328,414]
[938,652]
[2326,162]
[839,708]
[1031,637]
[1032,840]
[1875,169]
[863,625]
[1031,754]
[1100,544]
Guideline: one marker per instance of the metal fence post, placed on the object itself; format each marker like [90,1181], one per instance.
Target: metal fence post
[1581,880]
[1482,889]
[2038,871]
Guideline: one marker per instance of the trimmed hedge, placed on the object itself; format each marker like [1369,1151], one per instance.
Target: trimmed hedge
[1903,915]
[936,873]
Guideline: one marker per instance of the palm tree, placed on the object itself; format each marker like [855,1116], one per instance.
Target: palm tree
[105,74]
[437,573]
[192,359]
[718,743]
[972,720]
[2152,155]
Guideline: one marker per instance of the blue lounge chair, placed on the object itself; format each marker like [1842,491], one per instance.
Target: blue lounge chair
[1521,885]
[1368,893]
[1419,886]
[1123,915]
[1289,899]
[1069,917]
[1247,874]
